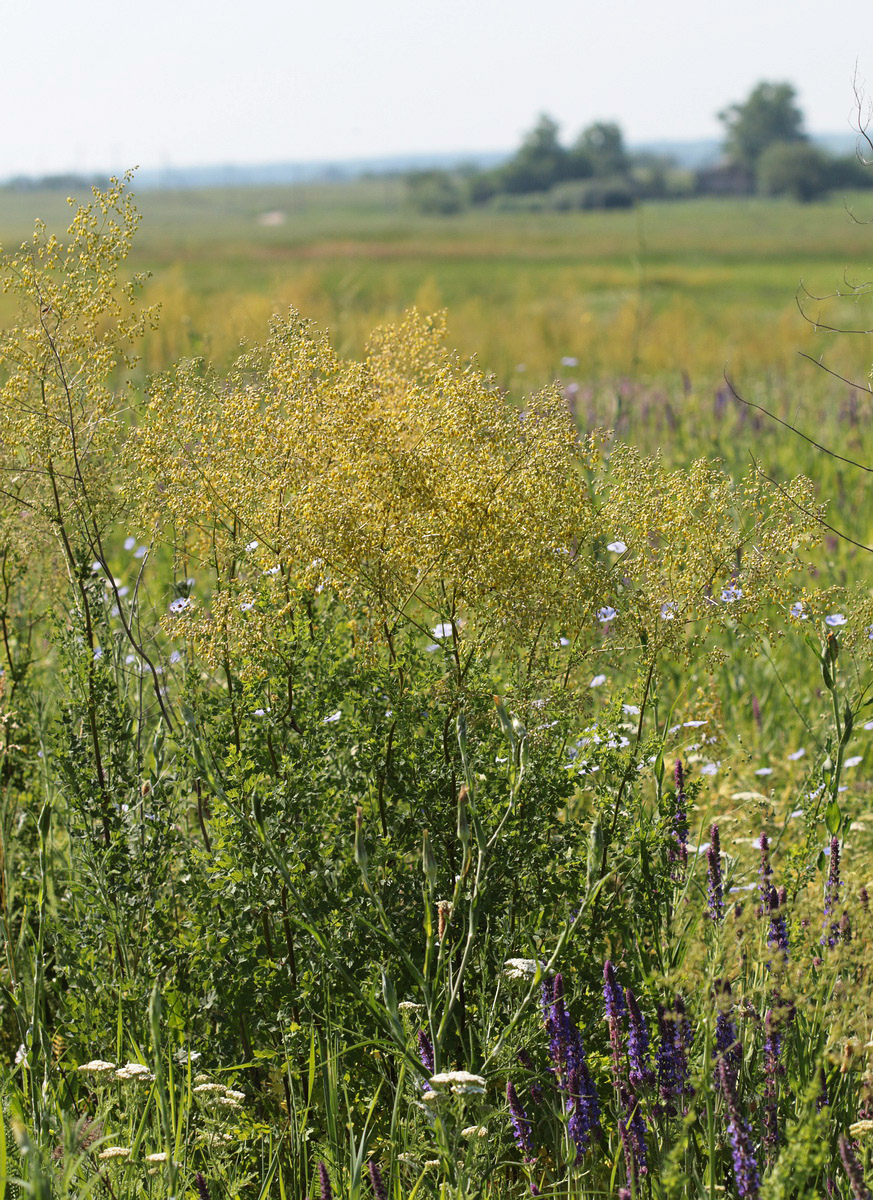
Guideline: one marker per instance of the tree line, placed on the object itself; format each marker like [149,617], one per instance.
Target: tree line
[766,151]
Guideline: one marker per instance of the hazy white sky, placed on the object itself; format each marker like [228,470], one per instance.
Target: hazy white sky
[89,84]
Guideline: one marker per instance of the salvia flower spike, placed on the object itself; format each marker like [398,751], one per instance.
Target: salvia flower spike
[715,890]
[379,1190]
[324,1180]
[521,1126]
[853,1170]
[746,1174]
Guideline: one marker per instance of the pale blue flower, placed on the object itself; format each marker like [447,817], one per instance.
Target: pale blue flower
[179,605]
[597,681]
[854,760]
[668,610]
[129,543]
[606,614]
[835,619]
[333,718]
[797,755]
[251,546]
[764,771]
[731,594]
[569,361]
[797,611]
[710,768]
[443,630]
[617,547]
[140,552]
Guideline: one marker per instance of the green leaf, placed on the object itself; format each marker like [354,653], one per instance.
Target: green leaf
[833,818]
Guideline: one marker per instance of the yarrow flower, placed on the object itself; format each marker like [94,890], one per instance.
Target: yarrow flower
[461,1083]
[115,1152]
[96,1067]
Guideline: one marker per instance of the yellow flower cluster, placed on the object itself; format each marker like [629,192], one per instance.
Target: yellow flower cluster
[405,482]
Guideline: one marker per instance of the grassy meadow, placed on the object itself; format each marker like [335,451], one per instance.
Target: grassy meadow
[434,762]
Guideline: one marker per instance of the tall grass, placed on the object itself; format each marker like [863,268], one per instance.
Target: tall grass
[403,795]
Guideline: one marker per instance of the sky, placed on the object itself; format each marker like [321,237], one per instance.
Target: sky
[99,84]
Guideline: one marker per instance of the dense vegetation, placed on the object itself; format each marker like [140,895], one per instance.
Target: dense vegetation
[766,150]
[405,791]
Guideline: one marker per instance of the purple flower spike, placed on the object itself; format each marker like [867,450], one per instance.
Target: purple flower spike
[534,1088]
[674,1030]
[200,1184]
[727,1045]
[677,852]
[639,1057]
[746,1174]
[614,1003]
[772,1068]
[425,1051]
[558,1021]
[765,875]
[324,1180]
[853,1170]
[777,930]
[831,933]
[376,1181]
[715,893]
[520,1123]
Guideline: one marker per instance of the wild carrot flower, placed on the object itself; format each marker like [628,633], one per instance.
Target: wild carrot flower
[853,1169]
[746,1173]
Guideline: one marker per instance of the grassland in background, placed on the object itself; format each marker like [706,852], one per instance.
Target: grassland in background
[651,294]
[655,304]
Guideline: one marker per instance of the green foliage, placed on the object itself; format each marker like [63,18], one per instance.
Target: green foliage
[793,169]
[365,732]
[769,114]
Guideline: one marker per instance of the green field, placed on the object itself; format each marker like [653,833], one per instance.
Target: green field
[434,766]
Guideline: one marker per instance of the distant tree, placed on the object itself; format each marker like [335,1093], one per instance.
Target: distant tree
[769,115]
[602,147]
[435,192]
[540,161]
[793,169]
